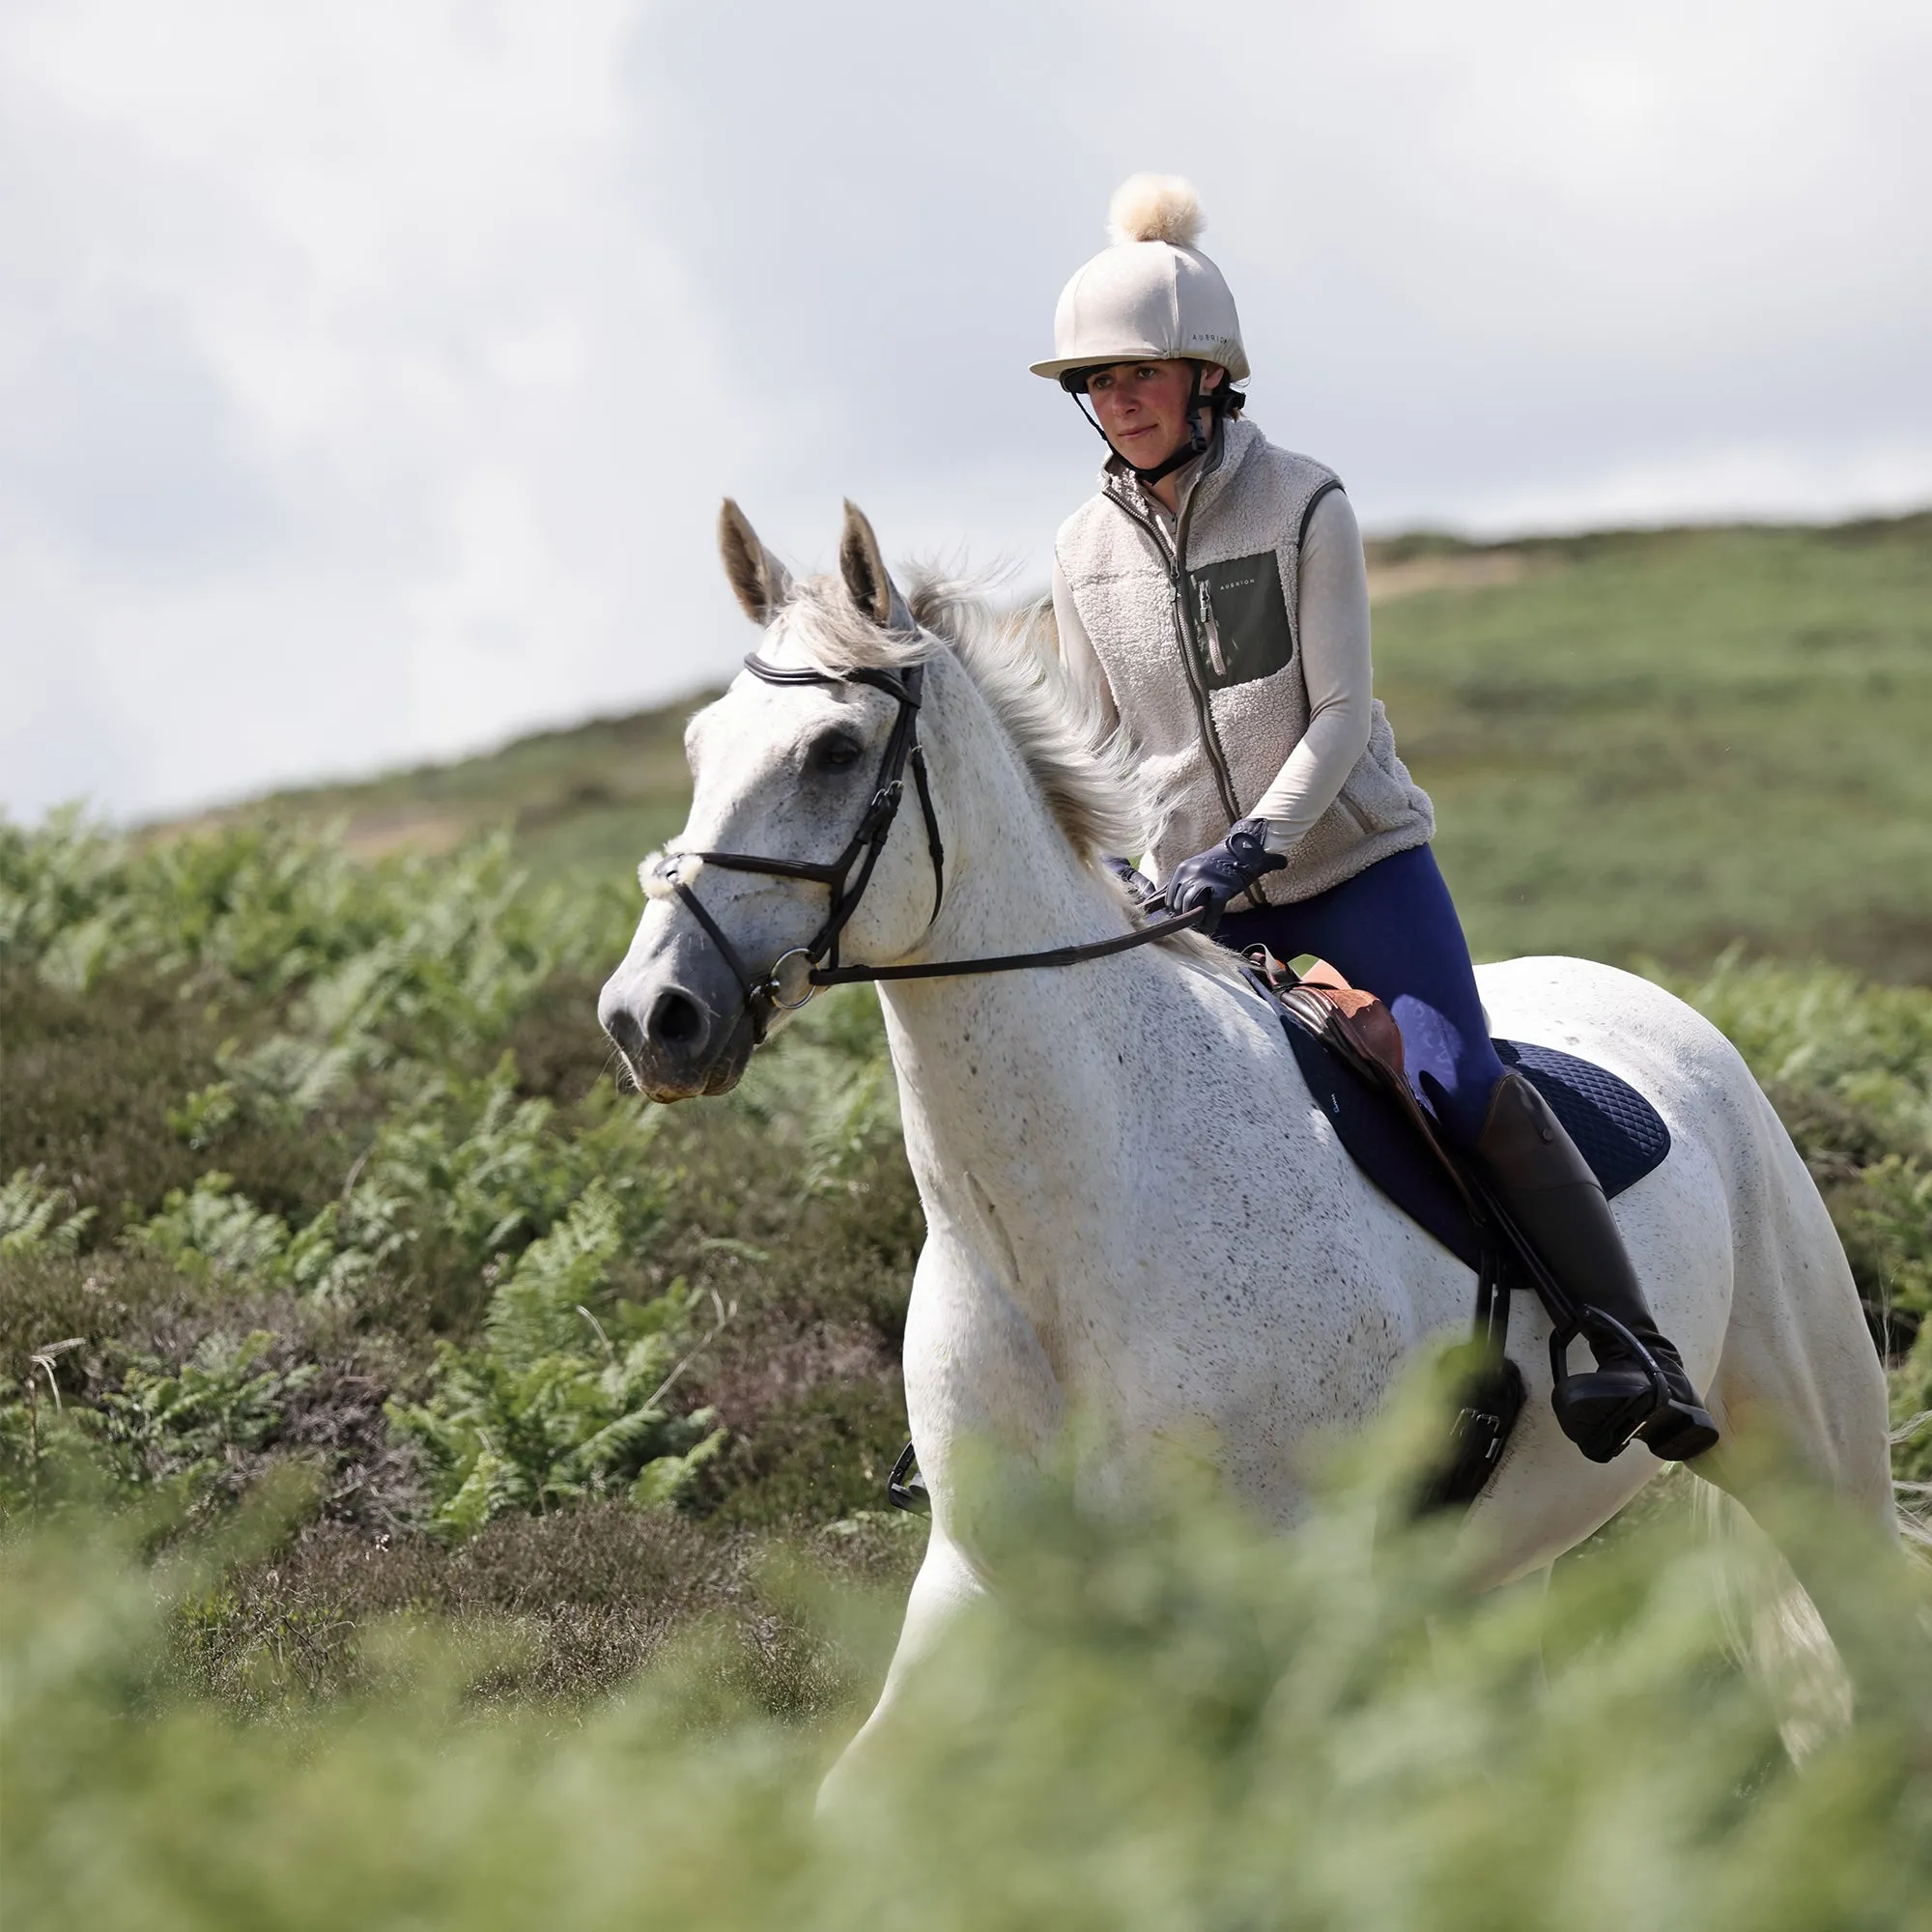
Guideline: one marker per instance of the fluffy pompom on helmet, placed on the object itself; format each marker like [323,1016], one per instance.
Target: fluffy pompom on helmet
[1153,295]
[1155,207]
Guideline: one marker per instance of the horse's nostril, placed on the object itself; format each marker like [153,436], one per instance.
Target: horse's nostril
[624,1029]
[676,1020]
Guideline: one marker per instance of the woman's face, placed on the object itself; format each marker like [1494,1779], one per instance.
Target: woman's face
[1143,407]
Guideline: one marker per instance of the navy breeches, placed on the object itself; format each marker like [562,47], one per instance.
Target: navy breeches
[1393,931]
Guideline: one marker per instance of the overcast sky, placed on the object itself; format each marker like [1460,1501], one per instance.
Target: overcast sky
[369,373]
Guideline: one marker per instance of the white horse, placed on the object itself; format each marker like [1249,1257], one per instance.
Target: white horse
[1134,1212]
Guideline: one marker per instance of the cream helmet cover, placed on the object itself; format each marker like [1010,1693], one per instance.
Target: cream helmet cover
[1153,296]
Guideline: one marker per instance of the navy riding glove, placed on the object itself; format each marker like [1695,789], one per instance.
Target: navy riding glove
[1214,877]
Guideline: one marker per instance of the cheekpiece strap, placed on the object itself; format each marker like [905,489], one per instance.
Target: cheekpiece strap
[866,843]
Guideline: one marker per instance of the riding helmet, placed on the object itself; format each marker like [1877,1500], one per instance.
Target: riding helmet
[1152,296]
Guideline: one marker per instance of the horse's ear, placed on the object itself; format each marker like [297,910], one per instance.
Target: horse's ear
[760,582]
[863,570]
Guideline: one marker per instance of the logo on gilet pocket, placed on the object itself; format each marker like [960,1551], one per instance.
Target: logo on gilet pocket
[1240,619]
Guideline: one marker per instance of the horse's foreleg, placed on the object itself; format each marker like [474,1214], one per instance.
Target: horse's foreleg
[946,1587]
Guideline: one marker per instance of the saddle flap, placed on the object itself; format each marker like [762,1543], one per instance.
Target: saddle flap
[1368,1026]
[1346,1018]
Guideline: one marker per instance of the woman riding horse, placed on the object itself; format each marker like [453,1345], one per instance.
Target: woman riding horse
[1213,600]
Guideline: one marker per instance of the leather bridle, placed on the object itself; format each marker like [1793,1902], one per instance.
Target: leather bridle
[795,975]
[799,973]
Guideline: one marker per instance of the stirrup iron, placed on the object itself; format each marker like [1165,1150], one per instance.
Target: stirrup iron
[1605,1438]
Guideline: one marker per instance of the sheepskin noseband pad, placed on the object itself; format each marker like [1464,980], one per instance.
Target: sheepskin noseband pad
[662,873]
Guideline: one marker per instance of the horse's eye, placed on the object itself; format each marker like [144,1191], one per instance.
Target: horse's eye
[834,752]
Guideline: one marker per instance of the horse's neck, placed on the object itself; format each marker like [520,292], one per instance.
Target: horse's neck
[1014,1086]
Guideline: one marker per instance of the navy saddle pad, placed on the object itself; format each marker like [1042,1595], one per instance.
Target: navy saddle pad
[1615,1128]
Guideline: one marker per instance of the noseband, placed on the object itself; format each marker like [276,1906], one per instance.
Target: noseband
[798,974]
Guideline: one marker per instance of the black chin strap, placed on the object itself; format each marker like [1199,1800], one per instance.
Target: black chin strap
[1214,404]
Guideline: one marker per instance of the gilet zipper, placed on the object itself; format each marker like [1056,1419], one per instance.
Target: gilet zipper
[1184,639]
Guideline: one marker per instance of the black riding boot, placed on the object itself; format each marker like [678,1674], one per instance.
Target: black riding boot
[1548,1190]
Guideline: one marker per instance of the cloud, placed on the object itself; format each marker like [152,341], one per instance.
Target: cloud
[372,372]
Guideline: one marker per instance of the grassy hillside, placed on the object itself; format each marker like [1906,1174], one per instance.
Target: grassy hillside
[591,800]
[1665,743]
[1639,743]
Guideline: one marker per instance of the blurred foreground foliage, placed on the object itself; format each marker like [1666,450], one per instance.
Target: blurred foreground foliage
[1171,1721]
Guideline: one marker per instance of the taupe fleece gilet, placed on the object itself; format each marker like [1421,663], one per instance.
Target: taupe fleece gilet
[1199,646]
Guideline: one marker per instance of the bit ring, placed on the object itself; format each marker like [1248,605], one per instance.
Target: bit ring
[799,977]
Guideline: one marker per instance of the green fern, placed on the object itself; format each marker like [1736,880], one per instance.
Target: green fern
[552,1408]
[186,1426]
[211,1232]
[30,1220]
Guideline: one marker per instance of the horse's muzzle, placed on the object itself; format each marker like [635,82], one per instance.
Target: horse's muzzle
[679,1041]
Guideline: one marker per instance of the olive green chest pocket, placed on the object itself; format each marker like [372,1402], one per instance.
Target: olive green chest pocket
[1240,619]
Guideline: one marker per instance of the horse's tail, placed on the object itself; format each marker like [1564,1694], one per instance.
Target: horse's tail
[1799,1362]
[1772,1626]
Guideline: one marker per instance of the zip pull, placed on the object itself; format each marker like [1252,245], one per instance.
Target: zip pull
[1211,631]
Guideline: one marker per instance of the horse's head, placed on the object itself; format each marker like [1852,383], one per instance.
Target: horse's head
[789,769]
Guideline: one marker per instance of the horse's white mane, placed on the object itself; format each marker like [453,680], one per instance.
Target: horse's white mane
[1081,767]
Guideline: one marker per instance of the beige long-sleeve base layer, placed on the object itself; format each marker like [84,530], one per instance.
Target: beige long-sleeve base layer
[1331,628]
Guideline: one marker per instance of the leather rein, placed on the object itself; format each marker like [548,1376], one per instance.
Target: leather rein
[797,975]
